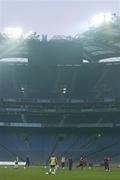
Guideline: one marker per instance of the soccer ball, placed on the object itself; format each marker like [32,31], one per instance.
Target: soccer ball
[46,173]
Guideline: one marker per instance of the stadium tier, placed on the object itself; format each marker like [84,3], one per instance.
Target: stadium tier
[86,81]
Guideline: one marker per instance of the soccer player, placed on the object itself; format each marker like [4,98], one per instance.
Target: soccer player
[106,163]
[53,164]
[27,162]
[63,162]
[70,163]
[81,163]
[16,162]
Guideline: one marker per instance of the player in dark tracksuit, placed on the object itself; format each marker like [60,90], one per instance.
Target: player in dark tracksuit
[27,162]
[70,163]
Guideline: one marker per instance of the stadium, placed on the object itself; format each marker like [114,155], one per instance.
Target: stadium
[60,96]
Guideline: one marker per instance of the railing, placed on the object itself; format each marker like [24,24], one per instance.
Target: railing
[42,125]
[53,106]
[59,100]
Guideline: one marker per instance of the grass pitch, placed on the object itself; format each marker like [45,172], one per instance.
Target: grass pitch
[38,173]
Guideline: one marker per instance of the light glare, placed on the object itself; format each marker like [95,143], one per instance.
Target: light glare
[101,18]
[13,32]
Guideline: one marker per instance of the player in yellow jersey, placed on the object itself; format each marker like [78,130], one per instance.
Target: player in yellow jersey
[53,164]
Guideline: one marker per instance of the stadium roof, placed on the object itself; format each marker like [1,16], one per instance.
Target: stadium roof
[98,43]
[102,42]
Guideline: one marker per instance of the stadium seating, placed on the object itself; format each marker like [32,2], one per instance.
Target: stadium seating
[40,145]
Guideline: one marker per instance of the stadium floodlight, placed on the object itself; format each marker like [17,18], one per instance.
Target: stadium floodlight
[101,18]
[13,32]
[64,90]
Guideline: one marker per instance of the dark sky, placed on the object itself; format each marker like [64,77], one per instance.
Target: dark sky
[53,16]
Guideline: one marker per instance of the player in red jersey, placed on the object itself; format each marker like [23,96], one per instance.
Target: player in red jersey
[106,163]
[81,163]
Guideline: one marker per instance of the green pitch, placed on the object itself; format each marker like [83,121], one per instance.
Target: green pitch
[38,173]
